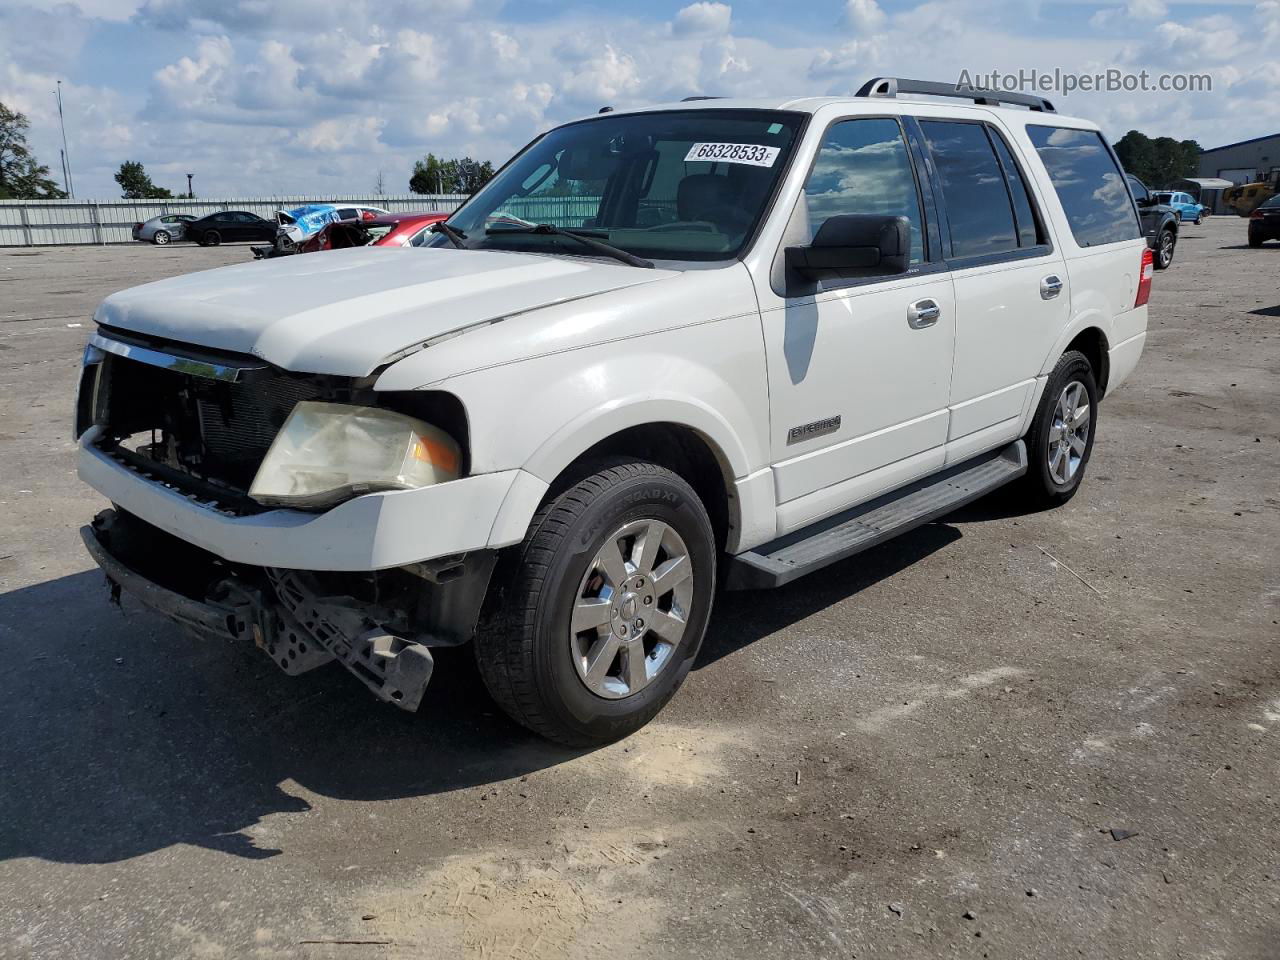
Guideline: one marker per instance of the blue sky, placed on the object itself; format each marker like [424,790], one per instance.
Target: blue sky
[310,96]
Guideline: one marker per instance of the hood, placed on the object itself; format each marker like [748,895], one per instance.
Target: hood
[346,312]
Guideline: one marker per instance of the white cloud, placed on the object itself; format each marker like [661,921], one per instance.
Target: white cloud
[703,18]
[865,16]
[295,95]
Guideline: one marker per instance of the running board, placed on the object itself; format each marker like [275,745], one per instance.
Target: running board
[869,524]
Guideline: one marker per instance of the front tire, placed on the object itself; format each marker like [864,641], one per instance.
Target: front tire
[161,238]
[211,238]
[600,613]
[1164,249]
[1060,440]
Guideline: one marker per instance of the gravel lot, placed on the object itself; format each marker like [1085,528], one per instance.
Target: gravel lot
[923,751]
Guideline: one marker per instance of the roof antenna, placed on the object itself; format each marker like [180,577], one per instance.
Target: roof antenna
[605,110]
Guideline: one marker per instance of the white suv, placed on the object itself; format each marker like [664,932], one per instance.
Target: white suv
[715,342]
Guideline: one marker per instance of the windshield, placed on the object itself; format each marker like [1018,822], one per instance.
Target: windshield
[681,185]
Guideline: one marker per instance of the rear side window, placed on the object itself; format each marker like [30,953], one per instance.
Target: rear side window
[979,211]
[1089,184]
[863,167]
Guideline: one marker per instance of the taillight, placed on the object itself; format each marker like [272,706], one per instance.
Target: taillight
[1257,214]
[1144,278]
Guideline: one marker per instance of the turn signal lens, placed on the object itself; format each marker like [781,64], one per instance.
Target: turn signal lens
[1144,278]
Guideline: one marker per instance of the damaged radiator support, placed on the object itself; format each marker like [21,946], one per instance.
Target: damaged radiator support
[315,629]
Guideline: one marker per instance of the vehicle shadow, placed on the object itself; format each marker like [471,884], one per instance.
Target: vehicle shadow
[742,618]
[121,735]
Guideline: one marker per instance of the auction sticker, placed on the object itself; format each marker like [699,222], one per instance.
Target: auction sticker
[753,154]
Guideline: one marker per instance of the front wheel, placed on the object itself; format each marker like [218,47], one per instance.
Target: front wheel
[211,238]
[1199,219]
[1164,249]
[599,614]
[1060,440]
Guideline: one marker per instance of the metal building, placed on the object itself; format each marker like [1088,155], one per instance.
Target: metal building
[1248,161]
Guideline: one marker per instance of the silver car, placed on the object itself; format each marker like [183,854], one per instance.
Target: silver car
[162,230]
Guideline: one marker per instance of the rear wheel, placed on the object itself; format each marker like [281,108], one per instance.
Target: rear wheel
[601,611]
[211,238]
[161,238]
[1164,249]
[1060,441]
[1255,239]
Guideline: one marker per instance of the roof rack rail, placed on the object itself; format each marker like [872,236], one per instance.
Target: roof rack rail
[892,86]
[691,99]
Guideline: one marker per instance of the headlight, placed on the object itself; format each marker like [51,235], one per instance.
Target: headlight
[327,452]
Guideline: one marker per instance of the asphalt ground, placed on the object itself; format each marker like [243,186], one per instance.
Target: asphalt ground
[1008,734]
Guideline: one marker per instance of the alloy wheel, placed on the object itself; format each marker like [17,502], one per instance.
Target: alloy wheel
[1069,433]
[631,609]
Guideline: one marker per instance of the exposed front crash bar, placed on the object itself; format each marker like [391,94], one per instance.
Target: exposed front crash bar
[204,618]
[285,613]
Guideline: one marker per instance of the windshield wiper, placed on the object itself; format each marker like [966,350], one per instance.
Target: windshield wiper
[598,245]
[456,236]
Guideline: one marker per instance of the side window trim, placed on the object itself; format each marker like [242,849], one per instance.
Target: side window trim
[935,223]
[1039,224]
[951,261]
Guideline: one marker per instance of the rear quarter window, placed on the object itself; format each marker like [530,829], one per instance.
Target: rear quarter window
[1090,185]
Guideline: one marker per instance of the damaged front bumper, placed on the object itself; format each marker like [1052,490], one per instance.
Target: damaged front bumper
[380,626]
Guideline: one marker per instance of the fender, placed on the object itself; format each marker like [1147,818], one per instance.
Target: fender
[583,432]
[1093,318]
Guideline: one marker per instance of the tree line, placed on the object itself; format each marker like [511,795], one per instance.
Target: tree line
[1158,162]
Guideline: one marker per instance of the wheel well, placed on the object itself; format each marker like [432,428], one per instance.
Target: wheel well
[680,449]
[1093,344]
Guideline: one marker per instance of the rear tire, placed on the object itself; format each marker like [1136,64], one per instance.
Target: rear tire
[1165,244]
[1254,239]
[566,594]
[161,238]
[1060,440]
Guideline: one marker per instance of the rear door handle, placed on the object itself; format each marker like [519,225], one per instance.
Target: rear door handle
[1050,287]
[923,313]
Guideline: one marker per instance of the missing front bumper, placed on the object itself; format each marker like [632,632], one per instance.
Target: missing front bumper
[288,613]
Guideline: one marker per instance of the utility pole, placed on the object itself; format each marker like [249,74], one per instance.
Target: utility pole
[66,154]
[190,195]
[63,155]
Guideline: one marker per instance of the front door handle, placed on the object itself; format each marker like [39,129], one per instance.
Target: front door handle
[923,313]
[1050,287]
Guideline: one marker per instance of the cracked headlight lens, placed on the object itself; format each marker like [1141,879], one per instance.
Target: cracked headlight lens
[329,452]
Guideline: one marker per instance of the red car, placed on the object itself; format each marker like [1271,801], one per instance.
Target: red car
[389,230]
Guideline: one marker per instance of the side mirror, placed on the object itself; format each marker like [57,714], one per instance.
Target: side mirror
[854,245]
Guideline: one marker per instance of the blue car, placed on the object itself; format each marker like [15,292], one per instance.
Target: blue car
[1184,205]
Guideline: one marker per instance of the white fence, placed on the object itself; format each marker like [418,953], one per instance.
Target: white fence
[27,223]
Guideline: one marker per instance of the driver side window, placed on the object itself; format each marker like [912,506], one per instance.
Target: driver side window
[863,166]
